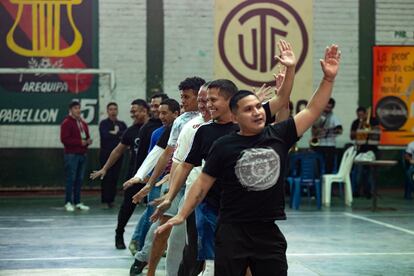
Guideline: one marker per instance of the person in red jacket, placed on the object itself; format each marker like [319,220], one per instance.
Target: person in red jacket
[74,135]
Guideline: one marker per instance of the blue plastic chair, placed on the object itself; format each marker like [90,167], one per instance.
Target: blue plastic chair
[306,170]
[291,173]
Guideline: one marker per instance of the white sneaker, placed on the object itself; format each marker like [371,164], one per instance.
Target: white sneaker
[82,207]
[69,207]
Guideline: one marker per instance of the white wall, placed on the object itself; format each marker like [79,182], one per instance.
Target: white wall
[392,18]
[189,49]
[189,33]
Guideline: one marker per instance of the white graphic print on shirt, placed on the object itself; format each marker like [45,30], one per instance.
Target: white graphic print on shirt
[258,169]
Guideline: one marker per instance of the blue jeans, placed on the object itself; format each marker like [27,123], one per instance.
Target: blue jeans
[144,222]
[74,169]
[206,222]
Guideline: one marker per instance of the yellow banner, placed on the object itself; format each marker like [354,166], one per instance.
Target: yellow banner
[393,87]
[246,35]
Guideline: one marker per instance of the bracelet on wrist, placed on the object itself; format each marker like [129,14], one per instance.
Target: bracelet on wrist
[328,80]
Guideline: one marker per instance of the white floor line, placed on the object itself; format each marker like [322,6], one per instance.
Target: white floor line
[67,258]
[59,227]
[330,254]
[342,254]
[380,223]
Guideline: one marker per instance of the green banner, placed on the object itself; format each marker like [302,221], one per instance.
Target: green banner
[43,34]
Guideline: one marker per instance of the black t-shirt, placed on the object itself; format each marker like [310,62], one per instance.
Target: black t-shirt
[108,140]
[269,118]
[163,141]
[131,139]
[250,171]
[141,141]
[202,142]
[364,148]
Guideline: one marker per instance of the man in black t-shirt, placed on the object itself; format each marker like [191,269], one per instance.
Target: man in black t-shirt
[110,132]
[137,139]
[218,95]
[366,133]
[249,167]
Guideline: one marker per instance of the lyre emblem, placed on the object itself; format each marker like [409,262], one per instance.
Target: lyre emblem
[46,29]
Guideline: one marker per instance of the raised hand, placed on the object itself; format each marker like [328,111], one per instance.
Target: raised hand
[141,194]
[95,174]
[170,223]
[330,63]
[279,78]
[264,93]
[286,57]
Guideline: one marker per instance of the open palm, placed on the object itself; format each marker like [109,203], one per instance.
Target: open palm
[330,63]
[286,57]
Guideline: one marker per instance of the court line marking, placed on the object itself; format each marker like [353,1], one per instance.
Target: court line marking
[67,258]
[332,254]
[343,254]
[380,223]
[62,227]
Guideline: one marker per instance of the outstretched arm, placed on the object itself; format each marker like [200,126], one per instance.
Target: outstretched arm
[318,101]
[115,155]
[196,194]
[156,173]
[288,59]
[284,112]
[177,181]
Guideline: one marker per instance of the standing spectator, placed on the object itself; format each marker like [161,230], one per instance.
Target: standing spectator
[409,157]
[324,132]
[367,140]
[110,132]
[74,134]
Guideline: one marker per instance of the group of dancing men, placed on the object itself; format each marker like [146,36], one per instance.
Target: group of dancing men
[212,172]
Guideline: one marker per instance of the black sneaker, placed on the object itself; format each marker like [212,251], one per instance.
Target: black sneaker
[119,242]
[137,268]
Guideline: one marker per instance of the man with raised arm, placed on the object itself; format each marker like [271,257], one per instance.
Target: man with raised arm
[249,167]
[218,94]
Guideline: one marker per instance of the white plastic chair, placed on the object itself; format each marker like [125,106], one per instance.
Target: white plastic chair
[343,176]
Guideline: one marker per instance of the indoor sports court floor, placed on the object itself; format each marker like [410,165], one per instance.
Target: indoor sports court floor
[37,237]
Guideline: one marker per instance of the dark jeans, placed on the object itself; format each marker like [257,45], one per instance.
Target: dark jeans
[329,155]
[127,208]
[190,265]
[364,180]
[74,170]
[109,183]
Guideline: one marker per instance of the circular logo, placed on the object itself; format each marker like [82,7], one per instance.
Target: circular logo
[258,169]
[248,35]
[392,113]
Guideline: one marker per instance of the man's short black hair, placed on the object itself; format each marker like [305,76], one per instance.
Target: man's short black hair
[163,96]
[332,102]
[173,105]
[73,103]
[111,103]
[141,102]
[193,83]
[226,88]
[361,109]
[237,97]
